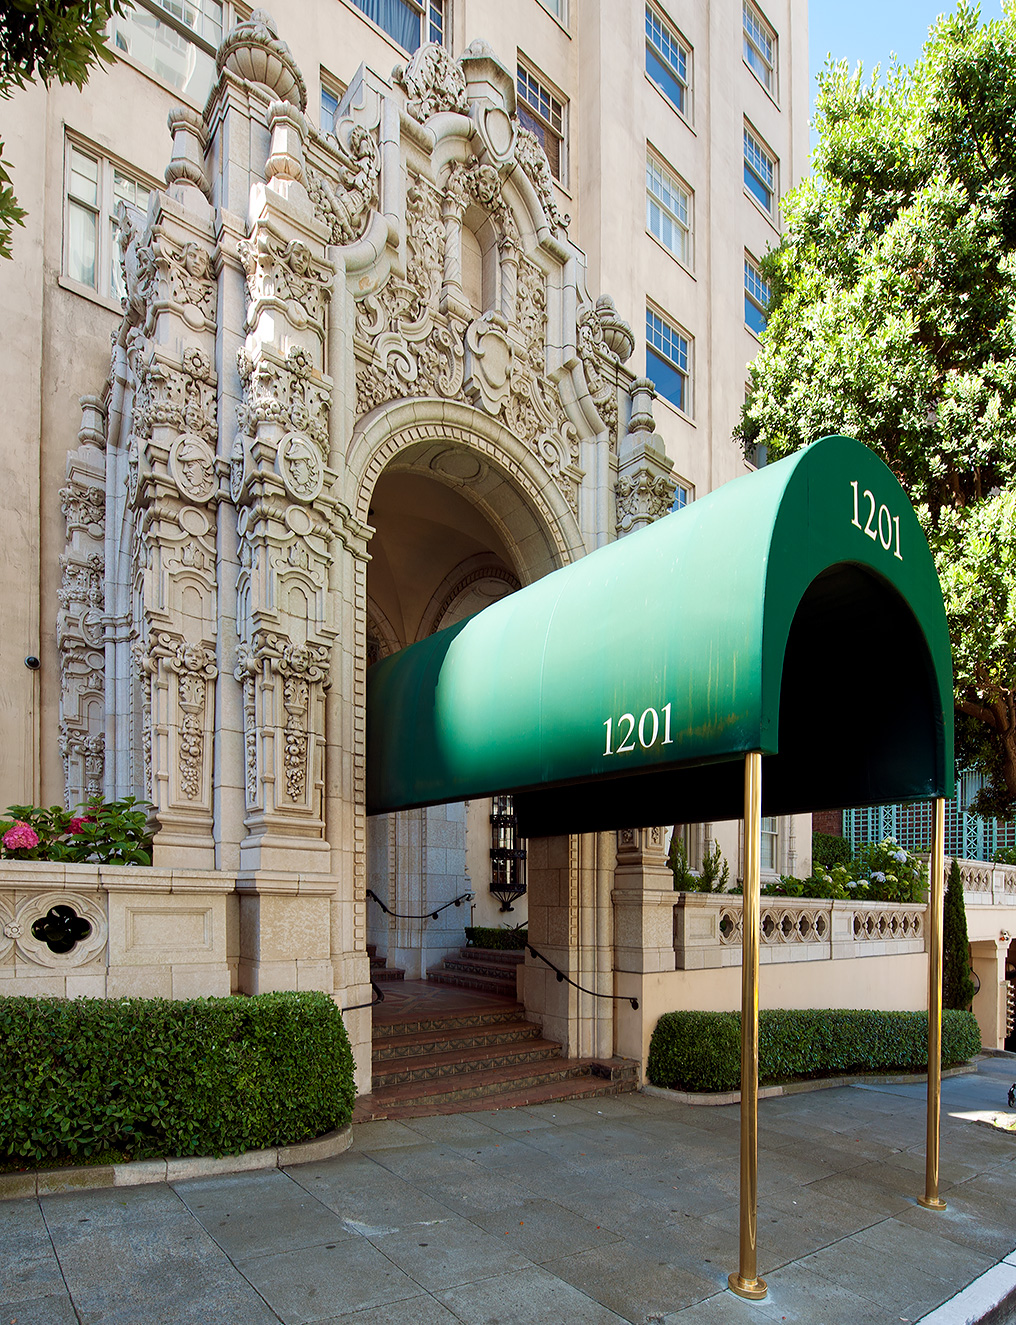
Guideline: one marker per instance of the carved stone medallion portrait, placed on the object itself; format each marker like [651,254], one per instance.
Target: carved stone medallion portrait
[300,467]
[192,465]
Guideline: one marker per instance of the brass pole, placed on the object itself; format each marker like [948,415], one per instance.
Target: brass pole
[936,871]
[746,1282]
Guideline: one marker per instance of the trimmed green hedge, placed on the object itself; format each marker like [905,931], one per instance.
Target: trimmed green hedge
[148,1077]
[701,1051]
[484,936]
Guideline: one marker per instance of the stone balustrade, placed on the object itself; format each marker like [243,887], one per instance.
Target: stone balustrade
[707,929]
[986,883]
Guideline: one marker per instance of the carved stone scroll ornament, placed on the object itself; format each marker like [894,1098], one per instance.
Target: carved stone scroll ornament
[604,341]
[301,668]
[194,667]
[533,159]
[183,397]
[641,498]
[287,276]
[345,207]
[433,82]
[285,391]
[137,265]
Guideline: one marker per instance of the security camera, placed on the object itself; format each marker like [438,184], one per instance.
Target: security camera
[33,663]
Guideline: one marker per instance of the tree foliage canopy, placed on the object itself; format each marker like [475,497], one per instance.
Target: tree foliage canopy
[47,39]
[892,318]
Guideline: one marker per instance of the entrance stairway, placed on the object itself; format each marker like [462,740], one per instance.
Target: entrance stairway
[379,968]
[489,969]
[441,1050]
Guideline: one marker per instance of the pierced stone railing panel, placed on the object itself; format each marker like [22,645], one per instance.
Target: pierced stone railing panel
[708,930]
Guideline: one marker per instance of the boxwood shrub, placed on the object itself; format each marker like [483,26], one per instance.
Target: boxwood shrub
[701,1051]
[139,1078]
[486,936]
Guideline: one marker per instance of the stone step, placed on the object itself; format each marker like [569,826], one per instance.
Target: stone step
[499,1088]
[385,974]
[390,1048]
[461,1062]
[490,984]
[468,1018]
[494,956]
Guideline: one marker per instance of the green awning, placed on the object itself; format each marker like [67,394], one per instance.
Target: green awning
[795,610]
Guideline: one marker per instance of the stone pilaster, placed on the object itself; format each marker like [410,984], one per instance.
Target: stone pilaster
[644,899]
[645,488]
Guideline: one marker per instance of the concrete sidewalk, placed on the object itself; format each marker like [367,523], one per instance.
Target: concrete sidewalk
[622,1209]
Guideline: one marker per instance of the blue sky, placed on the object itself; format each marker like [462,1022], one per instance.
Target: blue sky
[870,30]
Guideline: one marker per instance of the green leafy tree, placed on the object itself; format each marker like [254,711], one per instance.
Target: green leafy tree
[47,39]
[957,986]
[892,319]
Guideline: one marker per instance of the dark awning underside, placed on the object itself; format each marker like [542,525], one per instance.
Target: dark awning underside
[794,611]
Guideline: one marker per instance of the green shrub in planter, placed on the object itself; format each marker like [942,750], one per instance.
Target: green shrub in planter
[149,1077]
[486,936]
[701,1051]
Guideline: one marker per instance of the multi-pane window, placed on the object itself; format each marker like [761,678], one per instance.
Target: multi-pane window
[759,46]
[756,297]
[668,361]
[668,210]
[408,22]
[668,61]
[95,188]
[556,7]
[682,496]
[329,105]
[769,853]
[759,172]
[542,113]
[175,39]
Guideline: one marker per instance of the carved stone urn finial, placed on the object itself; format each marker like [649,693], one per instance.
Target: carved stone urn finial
[617,334]
[254,51]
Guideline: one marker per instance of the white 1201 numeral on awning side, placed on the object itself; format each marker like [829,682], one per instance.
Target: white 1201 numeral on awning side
[648,730]
[883,528]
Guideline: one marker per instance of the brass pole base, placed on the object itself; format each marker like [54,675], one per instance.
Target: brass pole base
[932,1202]
[755,1289]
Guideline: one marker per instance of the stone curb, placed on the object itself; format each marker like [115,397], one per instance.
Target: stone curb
[798,1087]
[134,1173]
[989,1298]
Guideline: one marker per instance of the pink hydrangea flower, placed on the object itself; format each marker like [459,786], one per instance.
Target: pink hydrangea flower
[75,824]
[21,837]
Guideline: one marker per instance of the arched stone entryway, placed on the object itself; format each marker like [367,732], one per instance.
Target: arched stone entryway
[461,513]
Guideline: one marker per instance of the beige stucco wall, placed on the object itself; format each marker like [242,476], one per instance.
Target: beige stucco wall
[897,983]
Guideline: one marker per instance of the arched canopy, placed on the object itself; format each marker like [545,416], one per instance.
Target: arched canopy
[794,611]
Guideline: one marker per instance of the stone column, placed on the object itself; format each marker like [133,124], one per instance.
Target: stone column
[644,900]
[988,962]
[645,488]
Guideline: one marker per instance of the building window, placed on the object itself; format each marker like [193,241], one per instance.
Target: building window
[759,173]
[507,854]
[668,361]
[769,854]
[682,496]
[668,210]
[542,113]
[95,188]
[556,7]
[759,47]
[410,23]
[756,297]
[668,61]
[175,39]
[332,92]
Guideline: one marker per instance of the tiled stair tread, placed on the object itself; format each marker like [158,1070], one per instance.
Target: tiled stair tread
[482,1057]
[486,1081]
[511,1012]
[400,1102]
[494,956]
[498,970]
[395,1047]
[472,980]
[383,973]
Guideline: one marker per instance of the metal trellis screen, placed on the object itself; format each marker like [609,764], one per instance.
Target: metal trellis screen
[966,835]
